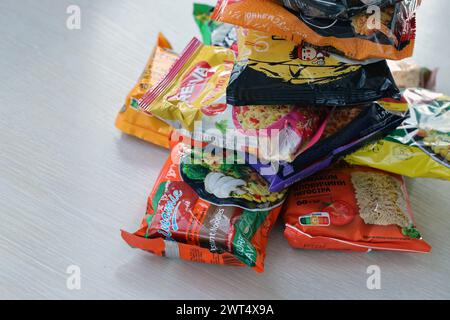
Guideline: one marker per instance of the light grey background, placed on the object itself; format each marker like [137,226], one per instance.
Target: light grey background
[69,180]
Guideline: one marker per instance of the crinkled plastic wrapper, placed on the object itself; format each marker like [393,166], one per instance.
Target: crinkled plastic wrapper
[192,98]
[408,74]
[349,128]
[420,146]
[213,32]
[272,70]
[334,9]
[204,210]
[391,35]
[130,119]
[354,209]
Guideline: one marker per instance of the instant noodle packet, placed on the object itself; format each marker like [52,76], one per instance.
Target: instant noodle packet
[213,32]
[335,9]
[348,129]
[192,99]
[354,209]
[133,121]
[420,146]
[360,38]
[205,210]
[272,70]
[408,74]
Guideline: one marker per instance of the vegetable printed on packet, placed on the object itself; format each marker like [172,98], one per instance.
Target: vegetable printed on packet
[272,70]
[391,35]
[205,210]
[131,119]
[352,208]
[192,99]
[420,146]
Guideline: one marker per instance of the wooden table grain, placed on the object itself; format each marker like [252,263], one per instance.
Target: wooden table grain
[69,181]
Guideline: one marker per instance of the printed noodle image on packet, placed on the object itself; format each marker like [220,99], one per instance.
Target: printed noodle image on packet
[131,120]
[204,210]
[420,146]
[354,209]
[348,129]
[359,38]
[272,70]
[195,91]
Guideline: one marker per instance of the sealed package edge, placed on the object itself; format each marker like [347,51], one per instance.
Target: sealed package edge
[133,121]
[192,99]
[203,209]
[349,128]
[358,38]
[352,208]
[272,70]
[336,9]
[420,146]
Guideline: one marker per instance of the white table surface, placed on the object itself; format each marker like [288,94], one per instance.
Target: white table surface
[69,181]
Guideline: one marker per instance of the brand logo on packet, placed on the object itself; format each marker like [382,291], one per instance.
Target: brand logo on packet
[194,82]
[169,215]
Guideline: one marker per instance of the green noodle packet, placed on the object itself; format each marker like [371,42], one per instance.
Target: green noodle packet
[213,32]
[202,16]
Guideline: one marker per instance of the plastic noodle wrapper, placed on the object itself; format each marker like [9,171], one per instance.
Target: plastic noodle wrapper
[213,32]
[130,119]
[353,209]
[348,129]
[334,9]
[205,210]
[420,146]
[192,99]
[408,74]
[272,70]
[389,35]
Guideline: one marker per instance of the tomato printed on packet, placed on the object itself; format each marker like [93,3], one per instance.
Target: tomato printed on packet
[208,211]
[352,208]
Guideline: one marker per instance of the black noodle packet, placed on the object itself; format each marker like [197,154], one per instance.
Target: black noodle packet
[271,70]
[334,9]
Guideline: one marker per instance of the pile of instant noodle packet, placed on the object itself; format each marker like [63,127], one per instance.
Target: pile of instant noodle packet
[288,108]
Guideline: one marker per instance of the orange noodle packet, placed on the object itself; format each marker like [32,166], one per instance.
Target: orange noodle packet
[192,99]
[389,35]
[352,208]
[133,121]
[204,209]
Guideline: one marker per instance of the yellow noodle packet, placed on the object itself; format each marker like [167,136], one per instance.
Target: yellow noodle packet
[420,146]
[198,79]
[133,121]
